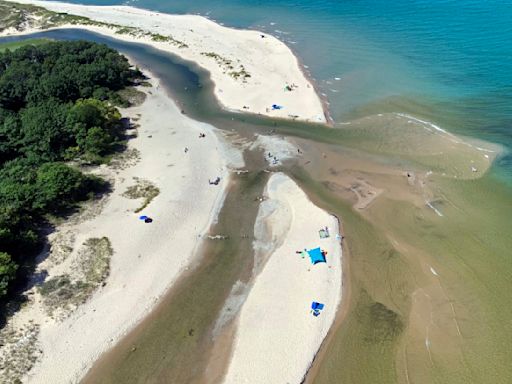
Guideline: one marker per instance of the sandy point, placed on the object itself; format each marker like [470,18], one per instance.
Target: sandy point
[278,334]
[253,72]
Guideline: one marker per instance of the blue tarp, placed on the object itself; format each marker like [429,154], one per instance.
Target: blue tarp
[275,106]
[316,256]
[143,217]
[315,305]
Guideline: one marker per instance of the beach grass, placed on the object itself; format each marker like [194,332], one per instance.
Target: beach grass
[22,352]
[143,189]
[63,293]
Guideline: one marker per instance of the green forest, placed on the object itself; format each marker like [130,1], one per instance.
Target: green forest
[57,107]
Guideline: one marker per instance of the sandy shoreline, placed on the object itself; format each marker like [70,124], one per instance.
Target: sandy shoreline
[251,73]
[147,258]
[277,336]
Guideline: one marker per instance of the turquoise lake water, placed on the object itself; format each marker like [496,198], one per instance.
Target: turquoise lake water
[447,61]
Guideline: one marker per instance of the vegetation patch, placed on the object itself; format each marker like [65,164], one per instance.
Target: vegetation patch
[168,39]
[125,159]
[222,61]
[94,260]
[131,97]
[62,294]
[143,189]
[240,74]
[62,247]
[228,66]
[18,352]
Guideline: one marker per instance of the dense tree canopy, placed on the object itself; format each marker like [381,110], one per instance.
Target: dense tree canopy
[65,71]
[7,271]
[54,107]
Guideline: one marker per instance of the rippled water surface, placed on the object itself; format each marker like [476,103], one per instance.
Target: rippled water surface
[448,61]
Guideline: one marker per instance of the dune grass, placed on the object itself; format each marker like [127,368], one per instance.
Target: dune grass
[143,189]
[63,293]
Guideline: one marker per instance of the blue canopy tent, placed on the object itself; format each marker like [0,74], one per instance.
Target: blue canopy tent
[316,256]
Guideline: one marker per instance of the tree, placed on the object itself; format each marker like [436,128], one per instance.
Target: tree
[97,142]
[7,272]
[45,132]
[10,133]
[57,184]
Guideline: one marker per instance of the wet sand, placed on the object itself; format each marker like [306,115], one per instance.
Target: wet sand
[437,270]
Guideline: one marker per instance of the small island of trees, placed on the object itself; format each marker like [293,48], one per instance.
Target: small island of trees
[57,106]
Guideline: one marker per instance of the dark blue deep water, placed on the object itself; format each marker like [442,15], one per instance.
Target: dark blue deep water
[447,61]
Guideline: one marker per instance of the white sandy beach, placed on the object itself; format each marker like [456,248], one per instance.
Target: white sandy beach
[269,62]
[277,335]
[147,258]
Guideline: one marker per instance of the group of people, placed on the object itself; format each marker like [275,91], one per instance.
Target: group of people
[290,87]
[274,159]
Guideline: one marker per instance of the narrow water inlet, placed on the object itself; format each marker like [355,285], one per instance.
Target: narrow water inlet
[174,342]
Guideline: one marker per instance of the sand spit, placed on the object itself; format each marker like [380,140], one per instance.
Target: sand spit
[147,257]
[277,335]
[252,70]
